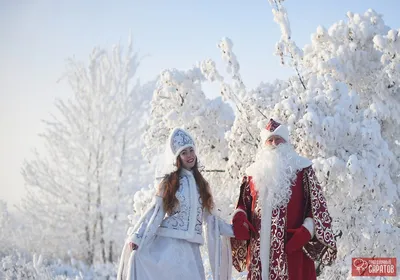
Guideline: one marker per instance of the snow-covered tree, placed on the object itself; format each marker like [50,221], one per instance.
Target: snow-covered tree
[179,101]
[342,108]
[5,227]
[243,137]
[79,191]
[346,121]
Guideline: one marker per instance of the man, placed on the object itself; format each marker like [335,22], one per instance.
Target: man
[281,222]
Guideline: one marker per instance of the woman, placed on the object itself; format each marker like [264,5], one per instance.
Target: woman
[165,243]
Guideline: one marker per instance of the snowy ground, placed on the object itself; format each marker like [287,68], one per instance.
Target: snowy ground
[24,266]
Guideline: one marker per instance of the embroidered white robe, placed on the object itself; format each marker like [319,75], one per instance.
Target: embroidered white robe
[168,245]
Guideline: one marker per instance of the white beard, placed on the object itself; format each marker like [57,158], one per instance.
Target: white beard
[274,172]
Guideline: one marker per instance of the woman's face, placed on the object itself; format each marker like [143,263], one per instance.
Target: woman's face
[188,158]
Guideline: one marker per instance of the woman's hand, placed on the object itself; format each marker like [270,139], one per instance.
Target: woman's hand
[133,246]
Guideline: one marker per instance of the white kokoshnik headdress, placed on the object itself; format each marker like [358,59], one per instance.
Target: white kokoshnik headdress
[178,140]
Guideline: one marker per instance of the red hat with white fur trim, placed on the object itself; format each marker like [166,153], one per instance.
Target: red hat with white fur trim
[274,128]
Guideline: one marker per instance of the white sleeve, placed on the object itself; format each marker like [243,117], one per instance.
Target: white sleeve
[219,248]
[135,234]
[225,229]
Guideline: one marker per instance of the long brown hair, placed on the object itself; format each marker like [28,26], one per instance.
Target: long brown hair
[170,185]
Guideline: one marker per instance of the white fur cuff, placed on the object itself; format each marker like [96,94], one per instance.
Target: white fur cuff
[309,225]
[237,211]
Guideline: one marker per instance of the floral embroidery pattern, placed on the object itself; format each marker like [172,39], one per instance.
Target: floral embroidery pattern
[199,217]
[323,245]
[278,268]
[179,218]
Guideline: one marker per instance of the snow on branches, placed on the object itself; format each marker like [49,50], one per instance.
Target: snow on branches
[84,181]
[179,101]
[341,110]
[345,120]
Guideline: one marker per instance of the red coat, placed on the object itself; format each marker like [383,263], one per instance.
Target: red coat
[306,201]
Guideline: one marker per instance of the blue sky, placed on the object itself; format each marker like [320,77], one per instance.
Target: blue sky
[38,36]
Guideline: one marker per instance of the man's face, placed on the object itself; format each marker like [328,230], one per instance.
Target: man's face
[274,141]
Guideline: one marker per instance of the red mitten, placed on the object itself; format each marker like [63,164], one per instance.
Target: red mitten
[300,238]
[242,226]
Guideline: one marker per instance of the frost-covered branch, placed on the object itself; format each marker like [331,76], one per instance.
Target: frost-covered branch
[286,47]
[93,159]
